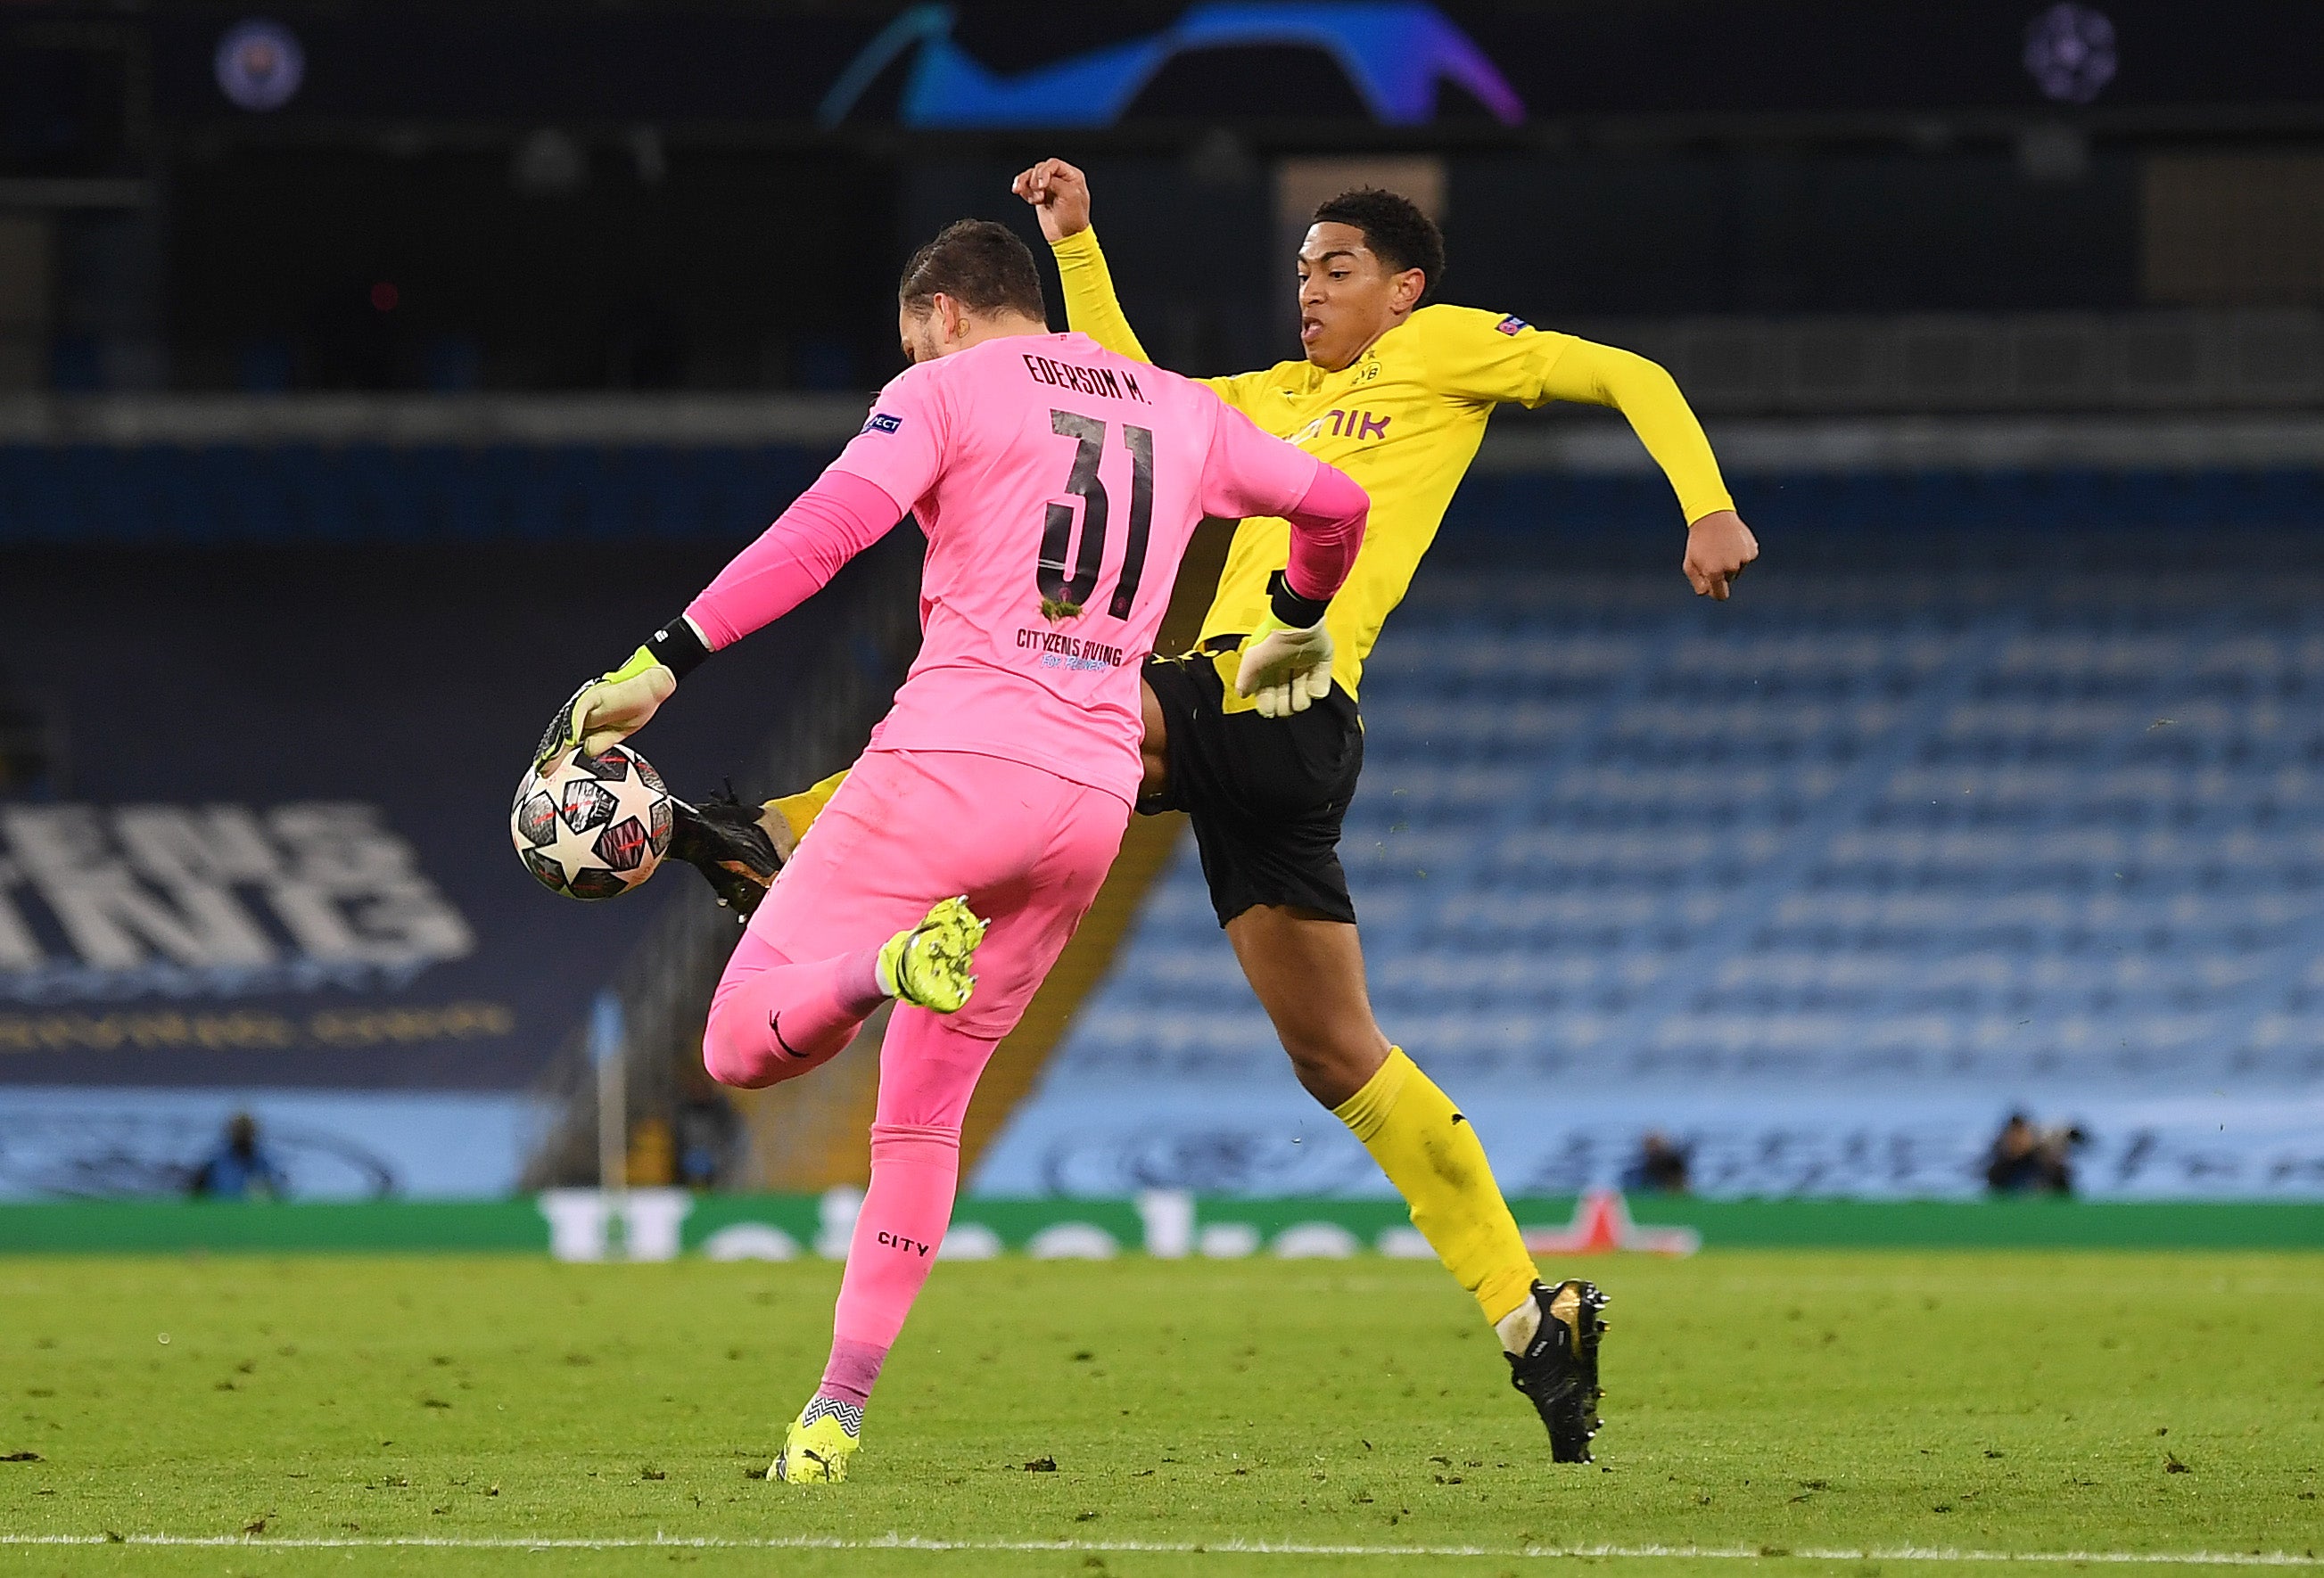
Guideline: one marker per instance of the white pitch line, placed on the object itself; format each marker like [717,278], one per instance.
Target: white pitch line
[899,1542]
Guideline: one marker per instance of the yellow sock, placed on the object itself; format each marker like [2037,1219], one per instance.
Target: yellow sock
[801,809]
[1430,1152]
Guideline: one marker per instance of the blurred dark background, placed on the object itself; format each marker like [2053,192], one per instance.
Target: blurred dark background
[715,196]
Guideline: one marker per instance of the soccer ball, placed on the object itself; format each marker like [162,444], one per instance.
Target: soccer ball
[591,826]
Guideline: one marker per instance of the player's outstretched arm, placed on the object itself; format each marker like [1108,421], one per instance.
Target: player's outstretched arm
[1059,194]
[836,518]
[1719,544]
[1286,668]
[1475,355]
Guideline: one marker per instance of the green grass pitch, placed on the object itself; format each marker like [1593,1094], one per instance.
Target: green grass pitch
[1765,1409]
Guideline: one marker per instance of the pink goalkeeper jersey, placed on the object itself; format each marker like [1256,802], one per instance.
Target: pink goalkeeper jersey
[1058,484]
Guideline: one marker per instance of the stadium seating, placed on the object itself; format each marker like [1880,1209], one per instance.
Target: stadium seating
[1824,881]
[1990,789]
[200,918]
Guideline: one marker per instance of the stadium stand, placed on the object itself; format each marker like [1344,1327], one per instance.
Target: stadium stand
[288,888]
[1934,820]
[1991,789]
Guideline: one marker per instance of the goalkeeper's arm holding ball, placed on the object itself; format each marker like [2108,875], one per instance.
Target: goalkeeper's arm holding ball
[614,706]
[721,837]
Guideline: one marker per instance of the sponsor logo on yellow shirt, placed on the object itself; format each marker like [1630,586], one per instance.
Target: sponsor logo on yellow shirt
[1349,424]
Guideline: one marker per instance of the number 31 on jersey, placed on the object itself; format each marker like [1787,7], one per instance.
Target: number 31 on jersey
[1067,588]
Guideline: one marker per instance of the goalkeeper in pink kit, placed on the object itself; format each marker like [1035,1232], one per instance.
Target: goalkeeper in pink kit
[1058,484]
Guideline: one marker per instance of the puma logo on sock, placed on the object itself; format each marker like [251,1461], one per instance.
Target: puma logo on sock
[898,1241]
[774,1023]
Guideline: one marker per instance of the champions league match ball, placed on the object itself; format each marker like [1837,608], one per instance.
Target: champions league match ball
[592,827]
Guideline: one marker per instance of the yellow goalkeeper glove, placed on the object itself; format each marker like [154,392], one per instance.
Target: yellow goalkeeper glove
[614,706]
[1287,665]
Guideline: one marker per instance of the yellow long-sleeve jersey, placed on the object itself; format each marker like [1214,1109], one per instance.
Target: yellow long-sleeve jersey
[1405,421]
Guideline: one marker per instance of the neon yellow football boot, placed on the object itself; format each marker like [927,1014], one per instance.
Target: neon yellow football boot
[927,965]
[821,1440]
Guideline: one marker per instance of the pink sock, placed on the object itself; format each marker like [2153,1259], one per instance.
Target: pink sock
[778,1020]
[928,1071]
[852,1372]
[914,1170]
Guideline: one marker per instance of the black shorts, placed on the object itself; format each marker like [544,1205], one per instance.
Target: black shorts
[1267,795]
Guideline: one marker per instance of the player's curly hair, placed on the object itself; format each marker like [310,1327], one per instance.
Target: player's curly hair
[1399,235]
[980,264]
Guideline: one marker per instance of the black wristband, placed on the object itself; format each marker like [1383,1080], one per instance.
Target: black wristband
[1300,613]
[677,647]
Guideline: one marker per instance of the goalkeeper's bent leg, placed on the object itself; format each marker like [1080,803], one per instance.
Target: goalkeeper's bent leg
[1431,1153]
[773,1019]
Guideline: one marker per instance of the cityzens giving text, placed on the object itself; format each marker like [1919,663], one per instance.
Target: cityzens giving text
[1062,651]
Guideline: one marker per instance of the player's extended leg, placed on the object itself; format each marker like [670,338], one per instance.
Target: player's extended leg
[1308,972]
[745,1045]
[773,1019]
[849,921]
[740,849]
[796,812]
[928,1069]
[1029,850]
[1309,975]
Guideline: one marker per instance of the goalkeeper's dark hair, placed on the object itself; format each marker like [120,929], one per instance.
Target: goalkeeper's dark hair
[980,264]
[1399,235]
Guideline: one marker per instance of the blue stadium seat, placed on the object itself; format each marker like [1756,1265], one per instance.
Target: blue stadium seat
[2052,834]
[1989,788]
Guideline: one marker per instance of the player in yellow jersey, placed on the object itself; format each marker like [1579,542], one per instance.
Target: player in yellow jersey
[1396,390]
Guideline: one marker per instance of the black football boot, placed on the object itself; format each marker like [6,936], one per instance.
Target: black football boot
[722,839]
[1559,1367]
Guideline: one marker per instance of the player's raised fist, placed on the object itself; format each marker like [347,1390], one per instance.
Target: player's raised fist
[1059,194]
[1718,546]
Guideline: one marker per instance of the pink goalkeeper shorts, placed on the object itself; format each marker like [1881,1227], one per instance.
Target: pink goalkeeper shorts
[1028,848]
